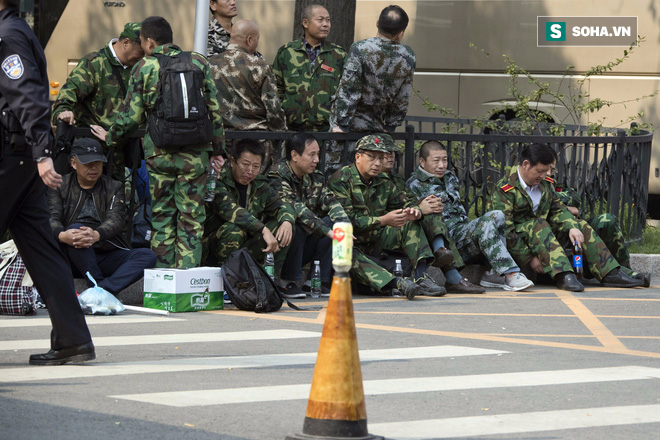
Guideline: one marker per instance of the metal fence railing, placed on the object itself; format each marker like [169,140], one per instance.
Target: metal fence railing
[610,172]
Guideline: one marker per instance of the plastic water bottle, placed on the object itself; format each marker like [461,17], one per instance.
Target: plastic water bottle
[211,181]
[398,269]
[269,265]
[316,280]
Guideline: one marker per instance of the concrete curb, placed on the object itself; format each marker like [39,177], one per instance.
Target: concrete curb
[646,263]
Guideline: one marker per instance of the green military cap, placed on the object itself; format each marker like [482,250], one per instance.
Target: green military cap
[131,31]
[376,142]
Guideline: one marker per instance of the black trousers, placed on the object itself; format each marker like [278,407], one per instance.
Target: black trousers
[24,211]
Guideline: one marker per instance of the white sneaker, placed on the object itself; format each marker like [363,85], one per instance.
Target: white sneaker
[517,281]
[493,279]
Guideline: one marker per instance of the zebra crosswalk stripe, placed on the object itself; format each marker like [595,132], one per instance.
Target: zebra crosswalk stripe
[399,386]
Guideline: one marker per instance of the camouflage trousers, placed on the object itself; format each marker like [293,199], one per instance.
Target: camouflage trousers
[544,242]
[433,226]
[367,272]
[409,238]
[337,154]
[485,237]
[607,228]
[177,182]
[230,237]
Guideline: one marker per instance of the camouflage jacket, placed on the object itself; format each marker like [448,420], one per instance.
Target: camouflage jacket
[365,203]
[400,184]
[568,196]
[263,203]
[310,197]
[218,38]
[511,198]
[307,94]
[141,98]
[375,86]
[246,91]
[93,91]
[422,184]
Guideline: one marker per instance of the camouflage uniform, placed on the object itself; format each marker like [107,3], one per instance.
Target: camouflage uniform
[539,234]
[310,198]
[364,204]
[218,38]
[94,93]
[373,93]
[177,180]
[605,225]
[433,225]
[307,91]
[484,236]
[230,227]
[246,91]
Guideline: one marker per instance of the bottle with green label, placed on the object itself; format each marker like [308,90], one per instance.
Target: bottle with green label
[269,265]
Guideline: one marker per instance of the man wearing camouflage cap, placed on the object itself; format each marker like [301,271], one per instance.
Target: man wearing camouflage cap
[97,87]
[383,219]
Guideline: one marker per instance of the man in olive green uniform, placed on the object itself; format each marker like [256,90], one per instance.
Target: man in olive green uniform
[96,88]
[308,72]
[536,223]
[383,218]
[177,177]
[301,185]
[222,14]
[606,227]
[246,211]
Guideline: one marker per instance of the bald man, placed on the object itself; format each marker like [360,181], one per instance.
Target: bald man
[246,84]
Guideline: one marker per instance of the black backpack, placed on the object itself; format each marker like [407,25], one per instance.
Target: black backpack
[248,285]
[180,116]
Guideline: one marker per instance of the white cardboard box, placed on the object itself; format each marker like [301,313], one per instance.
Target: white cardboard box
[184,290]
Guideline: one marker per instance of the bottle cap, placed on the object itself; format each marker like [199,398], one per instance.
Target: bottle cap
[317,262]
[397,261]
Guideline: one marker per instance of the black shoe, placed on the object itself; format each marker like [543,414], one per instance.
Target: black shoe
[616,278]
[464,286]
[429,287]
[568,281]
[443,257]
[292,291]
[645,277]
[79,353]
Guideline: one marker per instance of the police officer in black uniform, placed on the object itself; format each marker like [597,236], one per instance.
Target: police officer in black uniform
[27,142]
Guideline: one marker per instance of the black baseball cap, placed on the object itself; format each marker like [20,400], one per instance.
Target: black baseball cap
[87,150]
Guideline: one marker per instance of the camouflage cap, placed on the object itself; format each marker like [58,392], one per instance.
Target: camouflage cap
[376,142]
[131,31]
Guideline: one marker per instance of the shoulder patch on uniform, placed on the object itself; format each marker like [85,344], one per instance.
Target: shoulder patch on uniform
[328,68]
[549,179]
[13,66]
[507,188]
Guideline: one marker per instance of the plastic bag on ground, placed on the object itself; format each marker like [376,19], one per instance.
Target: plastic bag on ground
[98,301]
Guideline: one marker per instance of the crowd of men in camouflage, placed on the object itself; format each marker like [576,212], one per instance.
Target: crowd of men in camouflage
[307,73]
[96,88]
[315,86]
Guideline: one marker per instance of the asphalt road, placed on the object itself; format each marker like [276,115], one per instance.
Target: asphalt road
[543,364]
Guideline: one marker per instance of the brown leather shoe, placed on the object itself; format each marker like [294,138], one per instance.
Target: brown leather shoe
[443,257]
[464,286]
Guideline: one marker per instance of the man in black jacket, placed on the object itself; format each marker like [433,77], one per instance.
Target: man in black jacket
[26,145]
[87,215]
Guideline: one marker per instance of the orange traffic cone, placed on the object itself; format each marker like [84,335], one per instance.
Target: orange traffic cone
[336,408]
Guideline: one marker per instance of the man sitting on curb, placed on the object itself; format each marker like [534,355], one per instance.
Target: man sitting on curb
[476,239]
[606,227]
[301,185]
[87,215]
[447,259]
[536,222]
[383,218]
